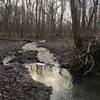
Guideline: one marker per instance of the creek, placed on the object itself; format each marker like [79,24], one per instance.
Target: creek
[47,72]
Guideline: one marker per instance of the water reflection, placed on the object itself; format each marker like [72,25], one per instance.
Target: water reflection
[87,89]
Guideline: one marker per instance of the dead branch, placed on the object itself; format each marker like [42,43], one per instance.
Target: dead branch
[90,67]
[88,49]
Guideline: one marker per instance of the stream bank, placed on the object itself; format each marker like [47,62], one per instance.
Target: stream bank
[16,84]
[70,59]
[63,87]
[15,81]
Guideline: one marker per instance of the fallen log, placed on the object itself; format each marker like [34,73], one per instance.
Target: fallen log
[15,39]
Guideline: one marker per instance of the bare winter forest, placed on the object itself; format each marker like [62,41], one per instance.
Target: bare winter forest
[44,18]
[49,49]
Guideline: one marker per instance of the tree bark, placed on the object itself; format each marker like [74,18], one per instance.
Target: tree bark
[75,25]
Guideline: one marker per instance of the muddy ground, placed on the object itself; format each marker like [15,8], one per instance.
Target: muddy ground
[15,81]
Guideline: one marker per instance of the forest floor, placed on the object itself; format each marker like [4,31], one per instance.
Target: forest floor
[15,81]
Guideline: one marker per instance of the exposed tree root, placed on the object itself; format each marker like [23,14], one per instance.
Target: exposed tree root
[90,69]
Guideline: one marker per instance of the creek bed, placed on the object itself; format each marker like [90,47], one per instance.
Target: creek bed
[47,72]
[63,87]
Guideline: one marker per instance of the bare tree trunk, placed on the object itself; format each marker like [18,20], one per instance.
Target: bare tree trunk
[95,14]
[22,20]
[75,25]
[36,26]
[61,19]
[83,15]
[39,19]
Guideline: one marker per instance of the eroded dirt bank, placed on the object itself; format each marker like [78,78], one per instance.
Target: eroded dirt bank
[70,59]
[15,81]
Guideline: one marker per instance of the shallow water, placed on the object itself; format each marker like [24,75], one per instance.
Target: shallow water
[63,87]
[48,73]
[50,76]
